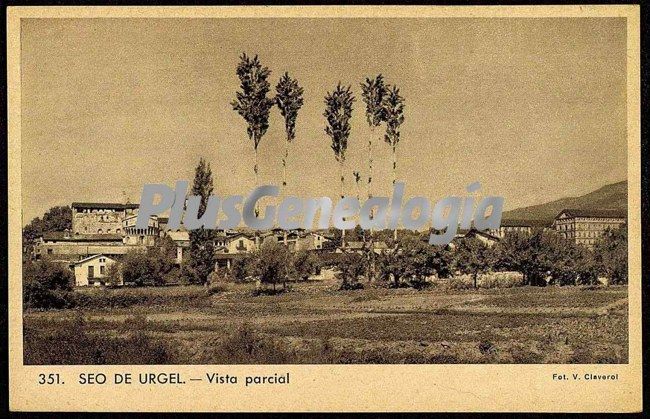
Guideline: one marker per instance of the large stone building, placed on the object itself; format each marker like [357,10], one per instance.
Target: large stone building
[587,226]
[100,218]
[97,228]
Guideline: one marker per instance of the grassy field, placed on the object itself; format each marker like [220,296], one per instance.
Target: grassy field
[315,323]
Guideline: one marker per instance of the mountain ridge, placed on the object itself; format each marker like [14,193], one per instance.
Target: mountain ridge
[612,196]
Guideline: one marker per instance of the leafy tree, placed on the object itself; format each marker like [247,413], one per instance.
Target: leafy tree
[393,106]
[46,284]
[545,254]
[351,267]
[51,275]
[241,268]
[252,103]
[136,268]
[55,219]
[289,100]
[305,263]
[271,263]
[338,111]
[413,259]
[611,255]
[472,257]
[202,258]
[113,274]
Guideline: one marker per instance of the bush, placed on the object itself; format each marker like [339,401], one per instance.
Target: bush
[246,346]
[216,288]
[461,282]
[46,285]
[501,280]
[348,285]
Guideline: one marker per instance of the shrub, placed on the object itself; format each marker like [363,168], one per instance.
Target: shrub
[349,285]
[247,346]
[46,285]
[217,287]
[501,280]
[461,282]
[74,344]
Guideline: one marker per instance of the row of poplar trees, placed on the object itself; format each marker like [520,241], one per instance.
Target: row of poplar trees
[384,106]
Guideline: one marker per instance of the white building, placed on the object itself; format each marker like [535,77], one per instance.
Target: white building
[93,270]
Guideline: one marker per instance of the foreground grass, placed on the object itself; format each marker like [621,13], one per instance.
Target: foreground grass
[317,324]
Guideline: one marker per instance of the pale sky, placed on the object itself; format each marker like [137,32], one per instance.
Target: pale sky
[534,109]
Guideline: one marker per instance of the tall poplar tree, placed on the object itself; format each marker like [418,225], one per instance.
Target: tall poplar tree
[252,103]
[393,105]
[202,251]
[338,111]
[289,100]
[372,93]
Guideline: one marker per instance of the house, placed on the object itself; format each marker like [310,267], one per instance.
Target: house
[512,226]
[585,226]
[486,238]
[311,241]
[238,243]
[93,270]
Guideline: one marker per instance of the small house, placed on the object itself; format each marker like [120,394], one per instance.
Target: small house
[93,270]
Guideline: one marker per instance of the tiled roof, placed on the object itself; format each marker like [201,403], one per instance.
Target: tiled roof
[86,259]
[594,213]
[61,236]
[102,205]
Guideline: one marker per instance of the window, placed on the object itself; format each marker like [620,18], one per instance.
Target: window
[91,272]
[49,251]
[101,270]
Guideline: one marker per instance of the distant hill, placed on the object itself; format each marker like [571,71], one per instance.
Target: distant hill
[612,196]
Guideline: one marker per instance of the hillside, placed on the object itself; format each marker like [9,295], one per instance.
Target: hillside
[612,196]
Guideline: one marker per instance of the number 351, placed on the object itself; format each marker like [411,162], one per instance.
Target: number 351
[49,379]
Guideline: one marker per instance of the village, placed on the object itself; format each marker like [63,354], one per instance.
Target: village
[102,233]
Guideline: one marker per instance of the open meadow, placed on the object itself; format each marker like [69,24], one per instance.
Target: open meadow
[316,323]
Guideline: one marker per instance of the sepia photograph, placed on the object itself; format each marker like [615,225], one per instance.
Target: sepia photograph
[110,105]
[326,190]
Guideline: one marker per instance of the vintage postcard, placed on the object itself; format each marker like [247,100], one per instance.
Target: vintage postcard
[318,209]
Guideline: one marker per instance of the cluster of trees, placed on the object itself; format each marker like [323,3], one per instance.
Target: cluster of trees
[542,258]
[273,263]
[155,266]
[55,219]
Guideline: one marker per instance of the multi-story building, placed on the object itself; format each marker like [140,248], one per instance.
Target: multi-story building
[587,226]
[512,226]
[100,218]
